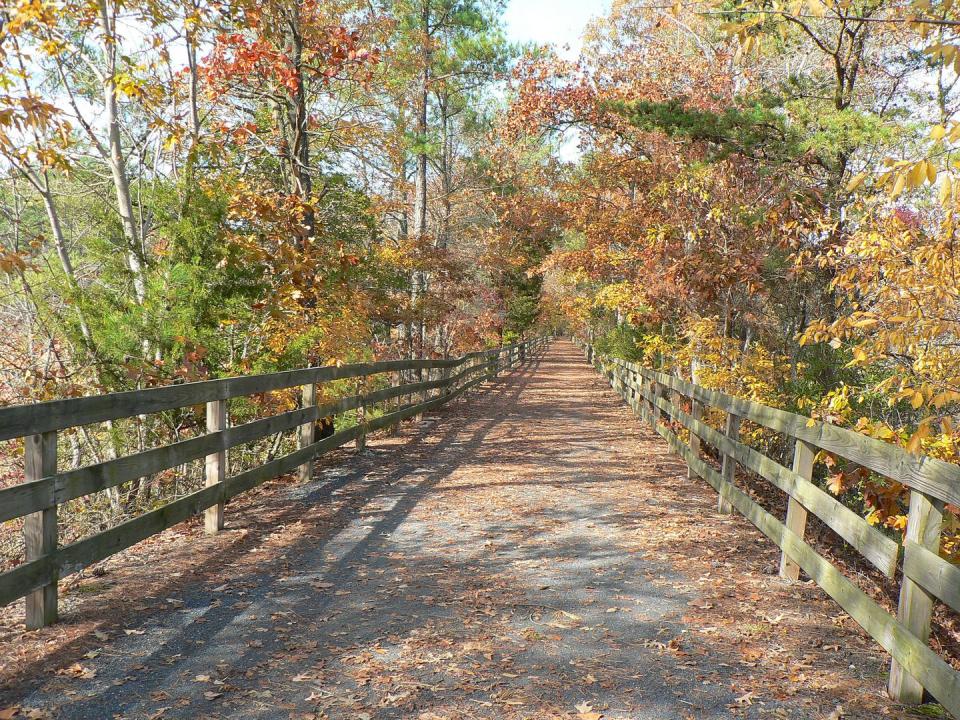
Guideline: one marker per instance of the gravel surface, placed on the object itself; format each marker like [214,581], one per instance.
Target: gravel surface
[532,552]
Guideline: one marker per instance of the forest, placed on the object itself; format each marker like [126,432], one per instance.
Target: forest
[758,196]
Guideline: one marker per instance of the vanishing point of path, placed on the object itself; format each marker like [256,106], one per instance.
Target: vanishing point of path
[532,552]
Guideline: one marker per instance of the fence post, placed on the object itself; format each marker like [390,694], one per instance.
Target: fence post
[916,604]
[675,402]
[729,468]
[654,408]
[308,395]
[40,528]
[640,384]
[796,522]
[425,393]
[445,377]
[696,412]
[416,399]
[467,374]
[361,442]
[215,465]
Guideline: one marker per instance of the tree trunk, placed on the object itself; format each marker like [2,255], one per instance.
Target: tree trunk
[190,36]
[298,117]
[446,174]
[118,167]
[419,285]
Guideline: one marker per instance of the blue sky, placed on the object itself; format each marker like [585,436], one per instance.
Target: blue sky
[552,21]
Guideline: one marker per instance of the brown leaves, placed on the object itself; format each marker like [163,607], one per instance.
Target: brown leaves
[835,483]
[585,711]
[18,712]
[261,60]
[78,671]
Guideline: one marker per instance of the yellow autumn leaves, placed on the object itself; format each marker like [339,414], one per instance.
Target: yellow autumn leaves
[900,285]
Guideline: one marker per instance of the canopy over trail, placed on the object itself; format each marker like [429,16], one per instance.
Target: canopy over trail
[538,553]
[237,237]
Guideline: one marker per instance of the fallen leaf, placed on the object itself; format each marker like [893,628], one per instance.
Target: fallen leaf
[586,712]
[78,671]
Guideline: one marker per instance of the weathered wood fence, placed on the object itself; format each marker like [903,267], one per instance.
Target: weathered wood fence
[45,487]
[668,402]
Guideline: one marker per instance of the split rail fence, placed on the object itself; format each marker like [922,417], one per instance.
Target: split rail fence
[668,403]
[45,487]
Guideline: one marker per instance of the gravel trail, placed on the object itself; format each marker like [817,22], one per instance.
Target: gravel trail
[532,552]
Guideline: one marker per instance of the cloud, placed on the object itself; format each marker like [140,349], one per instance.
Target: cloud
[557,22]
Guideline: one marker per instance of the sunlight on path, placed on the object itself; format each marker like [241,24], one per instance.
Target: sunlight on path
[508,561]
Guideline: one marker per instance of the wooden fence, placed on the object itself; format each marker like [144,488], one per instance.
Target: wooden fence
[668,402]
[45,487]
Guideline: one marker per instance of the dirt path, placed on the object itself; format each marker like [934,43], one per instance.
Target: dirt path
[534,552]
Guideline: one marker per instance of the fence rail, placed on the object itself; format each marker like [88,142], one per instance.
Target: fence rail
[667,402]
[37,499]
